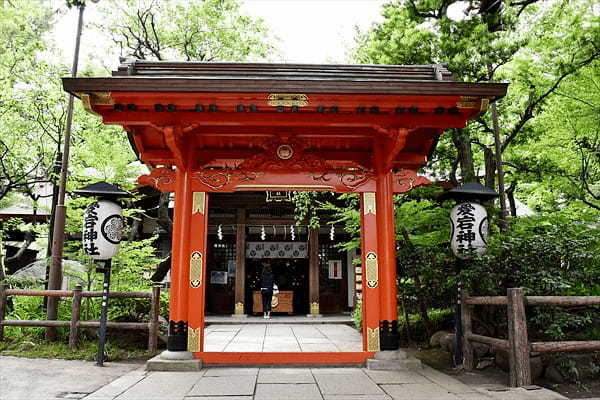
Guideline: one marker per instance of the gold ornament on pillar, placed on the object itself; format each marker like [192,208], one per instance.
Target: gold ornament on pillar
[369,203]
[239,308]
[373,339]
[372,270]
[314,308]
[193,340]
[196,269]
[198,202]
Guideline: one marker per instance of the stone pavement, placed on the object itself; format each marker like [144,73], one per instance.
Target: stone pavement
[304,383]
[40,379]
[282,337]
[36,378]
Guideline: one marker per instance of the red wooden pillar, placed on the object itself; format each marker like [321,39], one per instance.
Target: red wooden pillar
[387,262]
[313,271]
[370,266]
[178,299]
[196,266]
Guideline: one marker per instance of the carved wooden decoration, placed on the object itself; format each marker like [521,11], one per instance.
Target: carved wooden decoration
[372,270]
[352,180]
[196,269]
[193,339]
[373,339]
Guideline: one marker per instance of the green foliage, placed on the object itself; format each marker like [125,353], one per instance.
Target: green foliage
[357,316]
[33,347]
[210,30]
[546,255]
[440,319]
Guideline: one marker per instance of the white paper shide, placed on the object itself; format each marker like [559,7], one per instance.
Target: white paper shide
[102,229]
[469,230]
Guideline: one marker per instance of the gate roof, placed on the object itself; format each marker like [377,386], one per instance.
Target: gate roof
[228,112]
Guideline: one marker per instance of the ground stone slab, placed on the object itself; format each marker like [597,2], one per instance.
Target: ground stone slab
[356,397]
[396,377]
[230,371]
[160,364]
[347,384]
[418,391]
[301,391]
[285,375]
[118,386]
[241,385]
[162,385]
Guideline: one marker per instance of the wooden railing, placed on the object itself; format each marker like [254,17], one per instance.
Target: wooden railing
[74,324]
[518,345]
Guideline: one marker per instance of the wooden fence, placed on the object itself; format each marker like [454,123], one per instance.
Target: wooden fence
[518,345]
[74,324]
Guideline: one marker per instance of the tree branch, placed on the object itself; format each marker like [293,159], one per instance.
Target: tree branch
[528,113]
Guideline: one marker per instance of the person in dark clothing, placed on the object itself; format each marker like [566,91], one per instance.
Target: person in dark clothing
[266,289]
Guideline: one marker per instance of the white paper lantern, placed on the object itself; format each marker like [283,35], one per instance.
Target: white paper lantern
[102,229]
[469,229]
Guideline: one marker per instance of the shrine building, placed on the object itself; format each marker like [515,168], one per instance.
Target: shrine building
[233,141]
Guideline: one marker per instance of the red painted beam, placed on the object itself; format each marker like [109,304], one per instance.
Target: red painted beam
[245,358]
[306,120]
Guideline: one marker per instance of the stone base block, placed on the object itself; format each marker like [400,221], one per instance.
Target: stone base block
[239,315]
[174,361]
[314,315]
[393,360]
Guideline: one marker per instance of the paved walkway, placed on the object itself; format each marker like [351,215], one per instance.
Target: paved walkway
[39,379]
[282,337]
[304,384]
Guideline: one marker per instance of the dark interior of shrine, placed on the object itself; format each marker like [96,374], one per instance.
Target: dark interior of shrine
[268,234]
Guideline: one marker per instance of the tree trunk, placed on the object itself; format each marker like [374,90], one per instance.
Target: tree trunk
[161,270]
[490,167]
[134,232]
[510,194]
[164,220]
[2,272]
[29,238]
[462,142]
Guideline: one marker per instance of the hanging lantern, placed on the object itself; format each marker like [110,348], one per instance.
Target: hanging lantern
[469,229]
[469,221]
[220,232]
[102,229]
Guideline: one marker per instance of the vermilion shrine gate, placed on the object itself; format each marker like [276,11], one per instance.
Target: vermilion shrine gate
[227,127]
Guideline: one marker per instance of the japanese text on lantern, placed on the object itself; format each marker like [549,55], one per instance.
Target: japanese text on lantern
[464,223]
[90,233]
[469,229]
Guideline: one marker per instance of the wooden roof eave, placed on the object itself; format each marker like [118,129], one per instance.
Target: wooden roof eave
[160,84]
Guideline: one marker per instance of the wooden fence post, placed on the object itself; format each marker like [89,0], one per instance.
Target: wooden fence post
[465,316]
[75,316]
[2,308]
[154,311]
[520,370]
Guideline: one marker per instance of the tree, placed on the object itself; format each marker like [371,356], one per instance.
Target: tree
[22,153]
[522,41]
[210,30]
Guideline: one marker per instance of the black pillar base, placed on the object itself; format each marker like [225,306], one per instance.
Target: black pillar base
[388,335]
[177,339]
